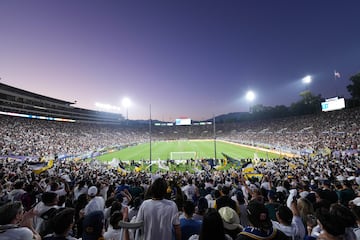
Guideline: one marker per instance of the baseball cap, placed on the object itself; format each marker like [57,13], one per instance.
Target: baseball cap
[92,191]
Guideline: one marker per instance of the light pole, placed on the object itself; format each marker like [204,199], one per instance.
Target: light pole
[250,96]
[126,104]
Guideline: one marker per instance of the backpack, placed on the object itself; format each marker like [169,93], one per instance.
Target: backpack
[46,227]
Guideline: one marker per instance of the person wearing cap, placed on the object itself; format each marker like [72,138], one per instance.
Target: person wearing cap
[96,203]
[160,216]
[260,224]
[231,221]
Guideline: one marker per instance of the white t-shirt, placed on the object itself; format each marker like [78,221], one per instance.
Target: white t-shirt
[16,233]
[95,204]
[159,217]
[189,191]
[296,230]
[112,234]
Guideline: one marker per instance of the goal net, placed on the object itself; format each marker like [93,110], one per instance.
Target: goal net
[182,155]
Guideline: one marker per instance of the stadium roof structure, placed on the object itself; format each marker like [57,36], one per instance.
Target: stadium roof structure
[18,101]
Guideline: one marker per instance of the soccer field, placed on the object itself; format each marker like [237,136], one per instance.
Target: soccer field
[201,149]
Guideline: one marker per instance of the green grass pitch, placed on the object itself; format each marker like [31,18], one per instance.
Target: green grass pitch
[204,149]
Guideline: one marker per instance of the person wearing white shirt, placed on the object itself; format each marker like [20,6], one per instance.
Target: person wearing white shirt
[289,222]
[96,203]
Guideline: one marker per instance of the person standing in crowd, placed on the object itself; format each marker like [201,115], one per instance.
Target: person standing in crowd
[188,225]
[62,224]
[160,215]
[49,201]
[289,222]
[93,225]
[15,224]
[231,221]
[212,227]
[190,190]
[260,224]
[202,206]
[96,203]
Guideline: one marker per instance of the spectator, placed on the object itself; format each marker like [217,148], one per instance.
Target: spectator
[188,225]
[15,224]
[93,225]
[202,206]
[289,222]
[231,221]
[96,203]
[160,215]
[260,224]
[212,227]
[49,201]
[62,224]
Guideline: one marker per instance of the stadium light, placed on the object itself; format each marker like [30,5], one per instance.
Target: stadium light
[250,97]
[126,104]
[307,79]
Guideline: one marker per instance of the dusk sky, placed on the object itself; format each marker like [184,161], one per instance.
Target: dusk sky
[188,58]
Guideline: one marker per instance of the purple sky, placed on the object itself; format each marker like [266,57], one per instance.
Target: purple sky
[194,58]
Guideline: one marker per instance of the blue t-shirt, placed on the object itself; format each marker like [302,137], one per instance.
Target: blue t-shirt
[189,227]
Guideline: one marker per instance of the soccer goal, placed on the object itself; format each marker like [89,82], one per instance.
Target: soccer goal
[182,155]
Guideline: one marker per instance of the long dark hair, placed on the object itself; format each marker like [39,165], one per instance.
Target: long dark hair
[212,227]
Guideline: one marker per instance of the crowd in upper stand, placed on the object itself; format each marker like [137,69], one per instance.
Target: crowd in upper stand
[337,130]
[316,196]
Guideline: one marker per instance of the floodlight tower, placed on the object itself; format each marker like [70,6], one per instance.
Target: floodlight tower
[126,104]
[250,97]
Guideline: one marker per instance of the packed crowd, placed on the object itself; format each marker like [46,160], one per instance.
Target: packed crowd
[316,199]
[315,196]
[337,131]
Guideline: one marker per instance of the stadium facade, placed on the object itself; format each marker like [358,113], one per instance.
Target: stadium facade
[18,102]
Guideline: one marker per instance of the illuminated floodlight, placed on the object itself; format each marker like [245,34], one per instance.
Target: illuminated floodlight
[250,96]
[307,79]
[126,102]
